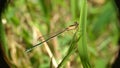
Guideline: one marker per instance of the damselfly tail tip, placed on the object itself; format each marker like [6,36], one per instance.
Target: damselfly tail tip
[28,50]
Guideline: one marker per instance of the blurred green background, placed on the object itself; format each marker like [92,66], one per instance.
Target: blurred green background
[26,21]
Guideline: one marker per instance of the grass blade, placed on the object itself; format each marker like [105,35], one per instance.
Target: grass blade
[3,39]
[71,50]
[82,44]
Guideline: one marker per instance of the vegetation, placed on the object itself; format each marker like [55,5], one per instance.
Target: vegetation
[85,33]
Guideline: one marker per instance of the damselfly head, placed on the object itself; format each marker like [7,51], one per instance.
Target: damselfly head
[74,26]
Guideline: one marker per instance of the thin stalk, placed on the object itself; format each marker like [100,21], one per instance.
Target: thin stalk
[73,4]
[82,47]
[71,50]
[3,40]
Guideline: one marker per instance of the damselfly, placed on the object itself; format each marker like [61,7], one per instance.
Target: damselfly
[71,27]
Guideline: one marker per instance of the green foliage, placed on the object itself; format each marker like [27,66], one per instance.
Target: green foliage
[29,22]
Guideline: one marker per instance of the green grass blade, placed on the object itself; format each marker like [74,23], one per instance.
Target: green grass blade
[74,8]
[71,50]
[82,44]
[3,40]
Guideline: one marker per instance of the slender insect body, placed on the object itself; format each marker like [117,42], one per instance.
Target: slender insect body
[71,27]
